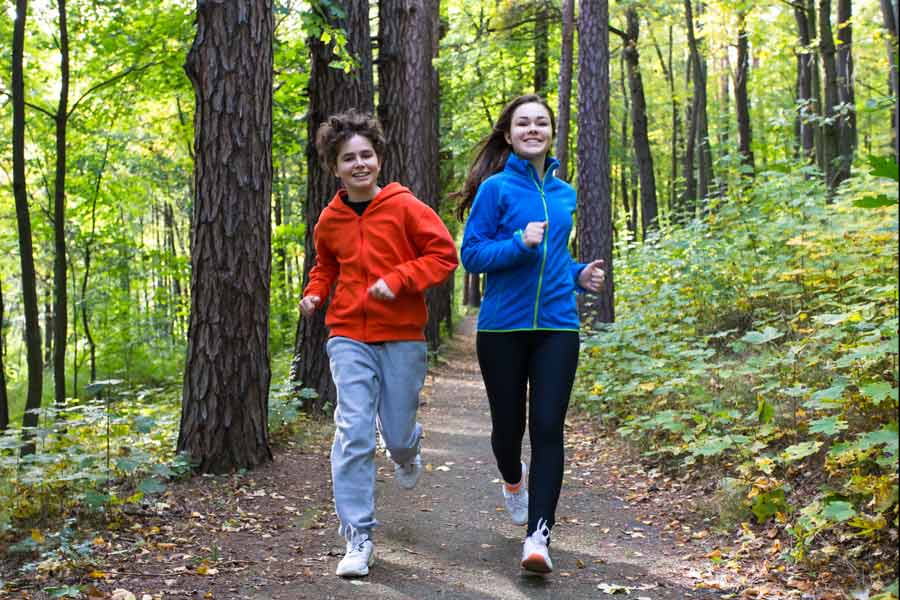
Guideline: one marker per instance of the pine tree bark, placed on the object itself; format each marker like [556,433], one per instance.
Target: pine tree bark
[564,112]
[60,269]
[742,99]
[642,152]
[830,156]
[889,13]
[23,219]
[847,132]
[330,91]
[594,231]
[408,110]
[224,418]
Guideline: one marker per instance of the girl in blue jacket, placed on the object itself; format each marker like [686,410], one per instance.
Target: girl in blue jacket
[517,234]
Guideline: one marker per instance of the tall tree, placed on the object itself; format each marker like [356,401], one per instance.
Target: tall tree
[889,13]
[807,75]
[23,219]
[564,113]
[742,99]
[226,378]
[594,230]
[60,283]
[847,136]
[330,90]
[688,204]
[830,157]
[408,110]
[667,70]
[698,110]
[643,155]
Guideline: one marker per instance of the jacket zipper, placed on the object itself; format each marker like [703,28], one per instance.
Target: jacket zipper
[537,298]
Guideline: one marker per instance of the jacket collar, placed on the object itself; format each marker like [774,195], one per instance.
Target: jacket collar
[519,165]
[391,189]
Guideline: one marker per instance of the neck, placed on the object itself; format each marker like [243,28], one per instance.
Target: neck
[538,164]
[364,195]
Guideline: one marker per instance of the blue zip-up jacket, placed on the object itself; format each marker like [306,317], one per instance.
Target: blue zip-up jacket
[526,288]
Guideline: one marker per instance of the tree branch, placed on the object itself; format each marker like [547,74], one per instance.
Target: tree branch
[110,81]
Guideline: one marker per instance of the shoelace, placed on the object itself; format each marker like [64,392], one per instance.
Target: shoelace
[542,530]
[354,538]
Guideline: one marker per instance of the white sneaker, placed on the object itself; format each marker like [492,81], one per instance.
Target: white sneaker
[535,554]
[407,474]
[359,557]
[517,502]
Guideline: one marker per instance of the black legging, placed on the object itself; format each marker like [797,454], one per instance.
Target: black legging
[546,362]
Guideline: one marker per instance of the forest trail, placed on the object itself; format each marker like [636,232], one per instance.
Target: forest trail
[272,533]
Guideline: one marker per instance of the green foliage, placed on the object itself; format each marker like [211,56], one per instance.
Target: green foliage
[762,341]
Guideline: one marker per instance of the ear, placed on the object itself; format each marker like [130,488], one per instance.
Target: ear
[508,138]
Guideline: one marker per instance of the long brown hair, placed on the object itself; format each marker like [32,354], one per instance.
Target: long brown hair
[492,152]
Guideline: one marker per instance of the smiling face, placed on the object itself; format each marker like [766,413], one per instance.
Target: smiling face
[530,131]
[358,166]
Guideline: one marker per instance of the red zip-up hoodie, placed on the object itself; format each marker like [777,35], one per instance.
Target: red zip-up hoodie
[399,239]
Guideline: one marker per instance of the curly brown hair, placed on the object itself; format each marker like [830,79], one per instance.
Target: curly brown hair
[340,127]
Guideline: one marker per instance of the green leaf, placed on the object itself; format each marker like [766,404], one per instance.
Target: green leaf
[151,486]
[764,411]
[761,337]
[828,425]
[885,436]
[879,201]
[827,398]
[884,166]
[878,392]
[96,499]
[800,451]
[839,511]
[765,505]
[127,465]
[144,424]
[711,446]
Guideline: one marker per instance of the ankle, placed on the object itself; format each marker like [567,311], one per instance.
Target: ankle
[513,488]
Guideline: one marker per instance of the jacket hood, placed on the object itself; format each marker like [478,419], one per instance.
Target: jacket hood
[519,165]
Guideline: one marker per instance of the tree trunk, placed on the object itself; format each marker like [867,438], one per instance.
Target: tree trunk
[889,13]
[594,227]
[626,170]
[4,397]
[330,91]
[742,100]
[408,110]
[564,113]
[541,45]
[224,418]
[847,132]
[60,269]
[23,219]
[704,157]
[688,207]
[472,290]
[676,117]
[806,70]
[827,51]
[642,153]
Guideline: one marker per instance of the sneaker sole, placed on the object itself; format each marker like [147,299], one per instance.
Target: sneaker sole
[352,574]
[536,564]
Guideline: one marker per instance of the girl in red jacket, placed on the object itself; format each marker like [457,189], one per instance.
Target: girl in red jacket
[383,248]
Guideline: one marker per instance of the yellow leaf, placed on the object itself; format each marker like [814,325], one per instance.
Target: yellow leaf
[97,575]
[37,536]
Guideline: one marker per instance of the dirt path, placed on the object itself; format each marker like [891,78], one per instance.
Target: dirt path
[272,533]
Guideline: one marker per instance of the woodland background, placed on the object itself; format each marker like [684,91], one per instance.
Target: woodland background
[736,164]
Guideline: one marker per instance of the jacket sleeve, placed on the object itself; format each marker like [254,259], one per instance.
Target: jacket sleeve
[482,251]
[576,268]
[325,271]
[437,252]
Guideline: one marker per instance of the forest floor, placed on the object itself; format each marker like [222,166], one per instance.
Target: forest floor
[623,529]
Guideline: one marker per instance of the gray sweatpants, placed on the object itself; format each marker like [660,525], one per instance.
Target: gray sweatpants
[375,383]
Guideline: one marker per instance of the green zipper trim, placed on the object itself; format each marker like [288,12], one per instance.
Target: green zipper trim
[537,298]
[527,329]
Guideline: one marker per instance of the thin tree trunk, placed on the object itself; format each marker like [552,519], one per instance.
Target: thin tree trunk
[742,100]
[847,132]
[889,13]
[806,68]
[627,167]
[541,46]
[676,117]
[827,51]
[60,269]
[643,155]
[23,219]
[594,228]
[564,114]
[330,91]
[224,418]
[699,107]
[4,397]
[688,207]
